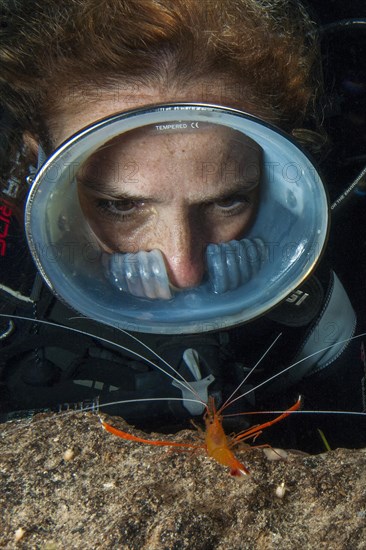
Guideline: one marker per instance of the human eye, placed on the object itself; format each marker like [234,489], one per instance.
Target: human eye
[231,205]
[119,210]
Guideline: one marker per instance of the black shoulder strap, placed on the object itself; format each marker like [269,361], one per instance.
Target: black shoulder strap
[302,306]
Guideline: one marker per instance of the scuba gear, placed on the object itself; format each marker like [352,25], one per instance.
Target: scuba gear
[53,229]
[89,368]
[229,265]
[281,243]
[288,233]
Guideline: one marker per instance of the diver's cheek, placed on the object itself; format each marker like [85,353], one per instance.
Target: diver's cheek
[114,238]
[113,234]
[225,230]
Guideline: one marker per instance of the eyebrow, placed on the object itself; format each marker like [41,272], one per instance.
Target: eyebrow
[232,191]
[117,195]
[100,189]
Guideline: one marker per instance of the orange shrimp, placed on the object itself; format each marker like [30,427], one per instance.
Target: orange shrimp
[217,444]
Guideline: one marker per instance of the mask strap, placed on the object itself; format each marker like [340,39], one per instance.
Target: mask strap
[42,157]
[32,170]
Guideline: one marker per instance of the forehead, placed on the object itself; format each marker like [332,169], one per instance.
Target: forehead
[159,152]
[179,140]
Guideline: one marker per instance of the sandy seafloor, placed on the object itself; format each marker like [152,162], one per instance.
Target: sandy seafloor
[109,493]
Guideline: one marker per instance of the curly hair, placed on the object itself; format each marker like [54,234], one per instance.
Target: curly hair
[267,45]
[50,50]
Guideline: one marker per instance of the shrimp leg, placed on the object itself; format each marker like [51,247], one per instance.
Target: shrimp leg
[130,437]
[254,431]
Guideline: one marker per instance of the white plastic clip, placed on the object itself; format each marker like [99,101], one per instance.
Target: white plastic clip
[199,385]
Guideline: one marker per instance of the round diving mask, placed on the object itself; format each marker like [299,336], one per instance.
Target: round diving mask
[244,276]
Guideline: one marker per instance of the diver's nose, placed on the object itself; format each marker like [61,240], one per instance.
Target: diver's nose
[184,269]
[184,254]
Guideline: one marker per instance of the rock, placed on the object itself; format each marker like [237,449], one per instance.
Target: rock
[126,495]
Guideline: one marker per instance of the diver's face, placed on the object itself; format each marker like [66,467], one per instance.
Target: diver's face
[173,191]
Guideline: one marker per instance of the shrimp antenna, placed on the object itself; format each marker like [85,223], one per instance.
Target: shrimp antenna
[301,412]
[94,407]
[186,384]
[230,399]
[297,363]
